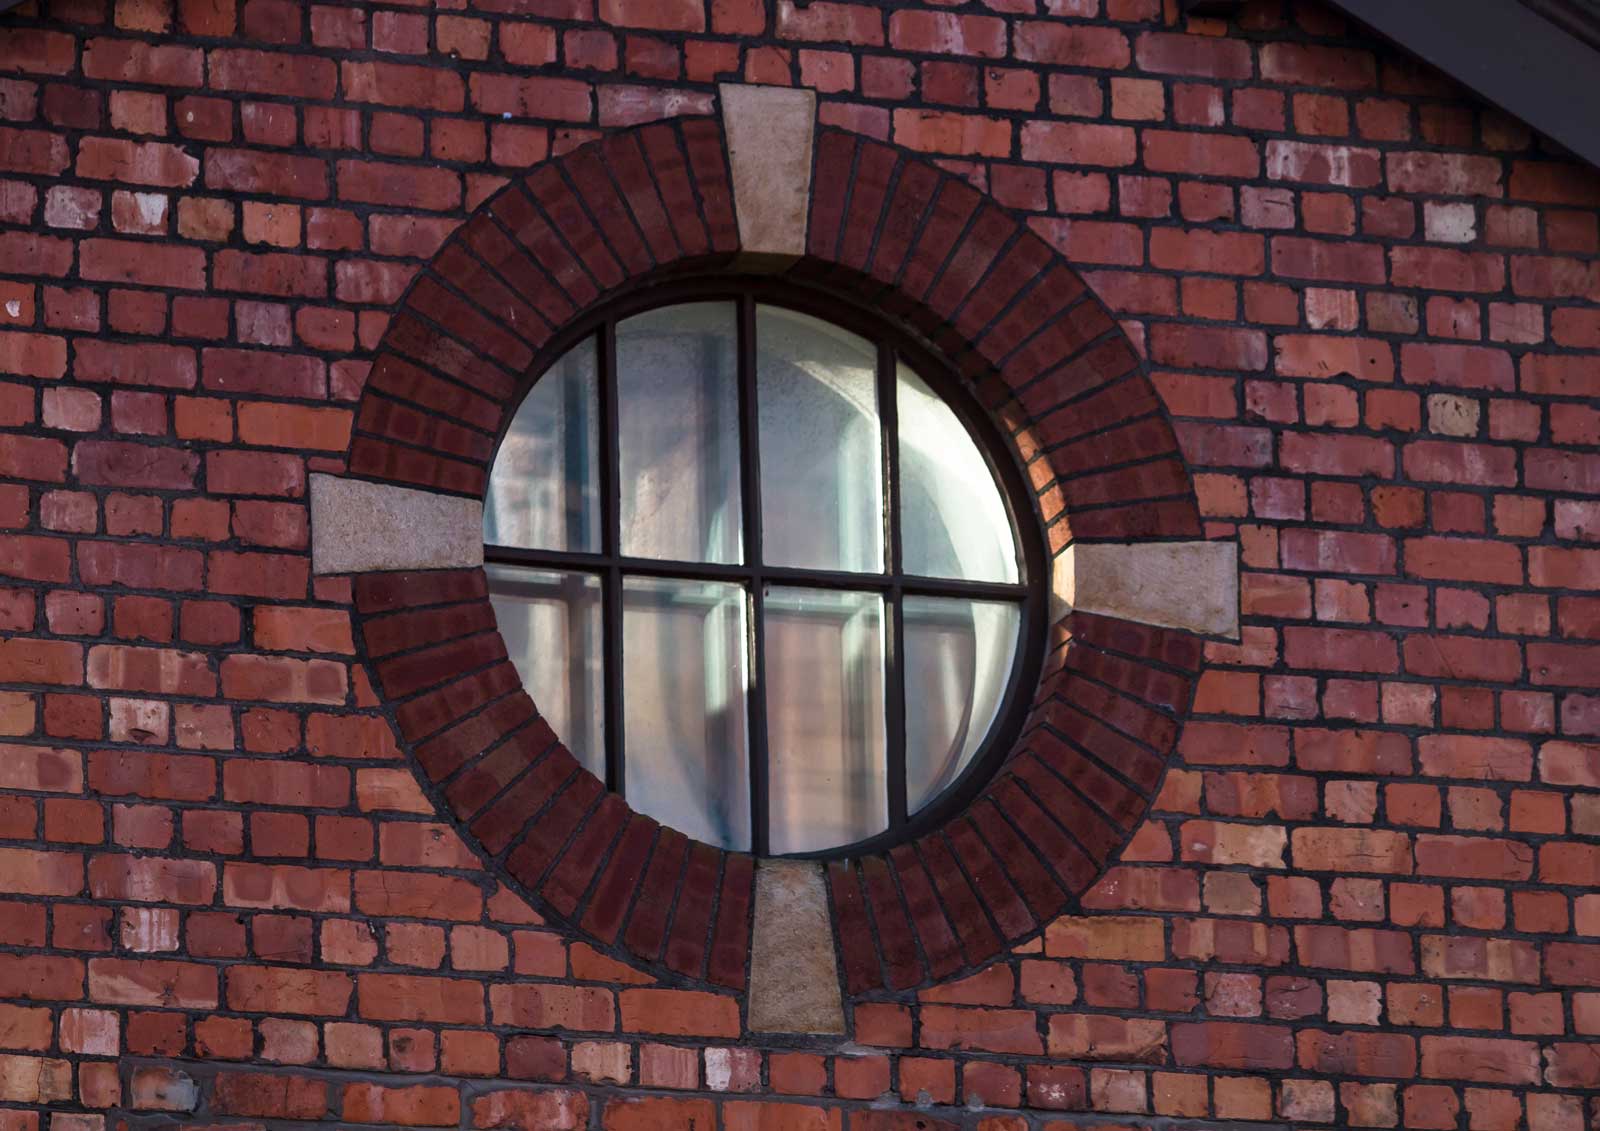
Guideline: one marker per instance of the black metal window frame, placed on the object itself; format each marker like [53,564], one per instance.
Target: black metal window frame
[895,343]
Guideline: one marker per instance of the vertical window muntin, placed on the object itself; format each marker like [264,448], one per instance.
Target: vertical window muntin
[896,357]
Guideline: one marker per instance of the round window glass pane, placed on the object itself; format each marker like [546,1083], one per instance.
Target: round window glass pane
[757,573]
[822,474]
[678,478]
[544,488]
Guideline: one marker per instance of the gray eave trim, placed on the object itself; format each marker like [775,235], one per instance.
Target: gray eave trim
[1507,54]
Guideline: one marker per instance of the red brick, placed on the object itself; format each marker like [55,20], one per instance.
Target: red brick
[176,776]
[1302,64]
[1473,858]
[397,84]
[154,982]
[283,680]
[1226,1044]
[1445,269]
[1343,262]
[303,630]
[1078,46]
[419,1105]
[1360,949]
[33,151]
[1481,1059]
[1356,850]
[283,275]
[1463,657]
[1465,756]
[1326,357]
[142,263]
[160,670]
[1336,455]
[273,174]
[562,99]
[39,977]
[150,879]
[1347,166]
[1339,649]
[561,1110]
[1205,155]
[950,34]
[33,355]
[1569,665]
[830,21]
[274,1095]
[259,372]
[1444,174]
[109,463]
[989,1030]
[137,61]
[1464,559]
[271,72]
[140,163]
[1572,1065]
[289,784]
[1193,55]
[1385,1055]
[1231,253]
[678,1013]
[140,566]
[29,872]
[36,458]
[255,473]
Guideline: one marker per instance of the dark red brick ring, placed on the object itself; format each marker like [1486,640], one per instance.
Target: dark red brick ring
[1135,588]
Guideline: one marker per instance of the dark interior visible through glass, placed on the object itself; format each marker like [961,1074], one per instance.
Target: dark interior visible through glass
[759,561]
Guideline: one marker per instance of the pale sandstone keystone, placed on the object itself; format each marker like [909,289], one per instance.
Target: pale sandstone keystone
[794,976]
[360,527]
[1187,585]
[770,133]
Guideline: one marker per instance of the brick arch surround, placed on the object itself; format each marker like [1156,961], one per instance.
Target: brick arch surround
[1046,358]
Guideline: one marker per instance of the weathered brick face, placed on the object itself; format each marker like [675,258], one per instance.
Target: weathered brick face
[1367,890]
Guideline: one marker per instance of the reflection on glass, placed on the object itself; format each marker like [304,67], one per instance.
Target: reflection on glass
[550,622]
[953,521]
[821,474]
[684,690]
[958,656]
[544,489]
[826,774]
[679,458]
[678,417]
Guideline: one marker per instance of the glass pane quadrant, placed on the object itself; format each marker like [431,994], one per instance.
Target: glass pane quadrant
[958,657]
[550,621]
[678,425]
[544,488]
[953,520]
[685,686]
[827,767]
[820,447]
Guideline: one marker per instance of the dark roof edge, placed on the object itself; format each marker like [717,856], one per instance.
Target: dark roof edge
[1506,53]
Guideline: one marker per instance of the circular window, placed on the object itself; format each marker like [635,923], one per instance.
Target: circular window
[757,562]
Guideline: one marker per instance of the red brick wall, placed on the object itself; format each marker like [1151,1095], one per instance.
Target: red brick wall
[1367,892]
